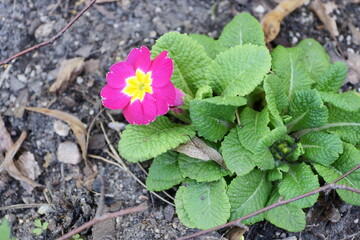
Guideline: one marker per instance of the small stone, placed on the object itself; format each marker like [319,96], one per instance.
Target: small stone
[68,152]
[61,128]
[117,126]
[259,9]
[356,221]
[44,30]
[79,80]
[22,78]
[283,235]
[44,209]
[169,212]
[291,238]
[152,34]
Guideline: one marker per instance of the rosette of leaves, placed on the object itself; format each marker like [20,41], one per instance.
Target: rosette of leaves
[249,136]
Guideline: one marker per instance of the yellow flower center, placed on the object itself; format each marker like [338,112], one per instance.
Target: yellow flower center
[138,85]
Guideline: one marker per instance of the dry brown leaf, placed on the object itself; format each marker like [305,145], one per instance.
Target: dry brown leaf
[21,103]
[29,168]
[7,163]
[69,69]
[272,20]
[5,138]
[197,148]
[75,124]
[322,11]
[355,34]
[353,63]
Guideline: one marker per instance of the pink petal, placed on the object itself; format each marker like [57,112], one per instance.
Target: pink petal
[162,68]
[178,98]
[133,113]
[149,107]
[139,58]
[165,97]
[113,98]
[118,73]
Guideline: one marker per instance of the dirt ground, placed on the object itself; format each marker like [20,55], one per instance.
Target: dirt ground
[103,36]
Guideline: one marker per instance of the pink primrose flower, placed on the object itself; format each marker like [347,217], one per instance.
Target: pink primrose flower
[141,87]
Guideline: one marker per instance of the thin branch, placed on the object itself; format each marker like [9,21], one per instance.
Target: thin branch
[52,39]
[21,206]
[140,208]
[346,174]
[277,204]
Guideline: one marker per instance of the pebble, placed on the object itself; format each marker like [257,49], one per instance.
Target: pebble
[291,238]
[356,221]
[117,126]
[44,209]
[61,128]
[44,30]
[259,9]
[68,152]
[283,235]
[22,78]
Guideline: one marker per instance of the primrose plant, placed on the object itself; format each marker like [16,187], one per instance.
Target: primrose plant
[244,127]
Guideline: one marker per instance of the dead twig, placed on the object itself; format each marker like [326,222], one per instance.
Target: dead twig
[140,208]
[22,206]
[52,39]
[331,185]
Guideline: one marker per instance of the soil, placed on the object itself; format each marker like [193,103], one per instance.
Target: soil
[104,35]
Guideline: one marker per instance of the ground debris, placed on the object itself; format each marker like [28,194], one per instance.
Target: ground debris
[323,11]
[29,168]
[272,20]
[68,71]
[68,152]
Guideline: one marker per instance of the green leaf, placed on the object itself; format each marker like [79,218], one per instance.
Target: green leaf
[262,155]
[204,92]
[322,147]
[288,66]
[200,170]
[315,58]
[288,216]
[142,142]
[348,101]
[209,44]
[5,230]
[275,96]
[45,225]
[254,127]
[344,124]
[307,111]
[242,29]
[237,71]
[37,223]
[347,161]
[180,208]
[248,194]
[212,117]
[164,172]
[274,175]
[202,205]
[237,158]
[37,231]
[333,78]
[190,60]
[299,180]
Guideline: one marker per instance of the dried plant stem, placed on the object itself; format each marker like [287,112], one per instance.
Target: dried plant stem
[140,208]
[52,39]
[331,185]
[21,206]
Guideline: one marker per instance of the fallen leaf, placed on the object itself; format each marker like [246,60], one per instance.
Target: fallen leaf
[236,233]
[355,34]
[353,62]
[5,138]
[68,71]
[272,20]
[322,11]
[92,65]
[7,163]
[75,124]
[197,148]
[29,168]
